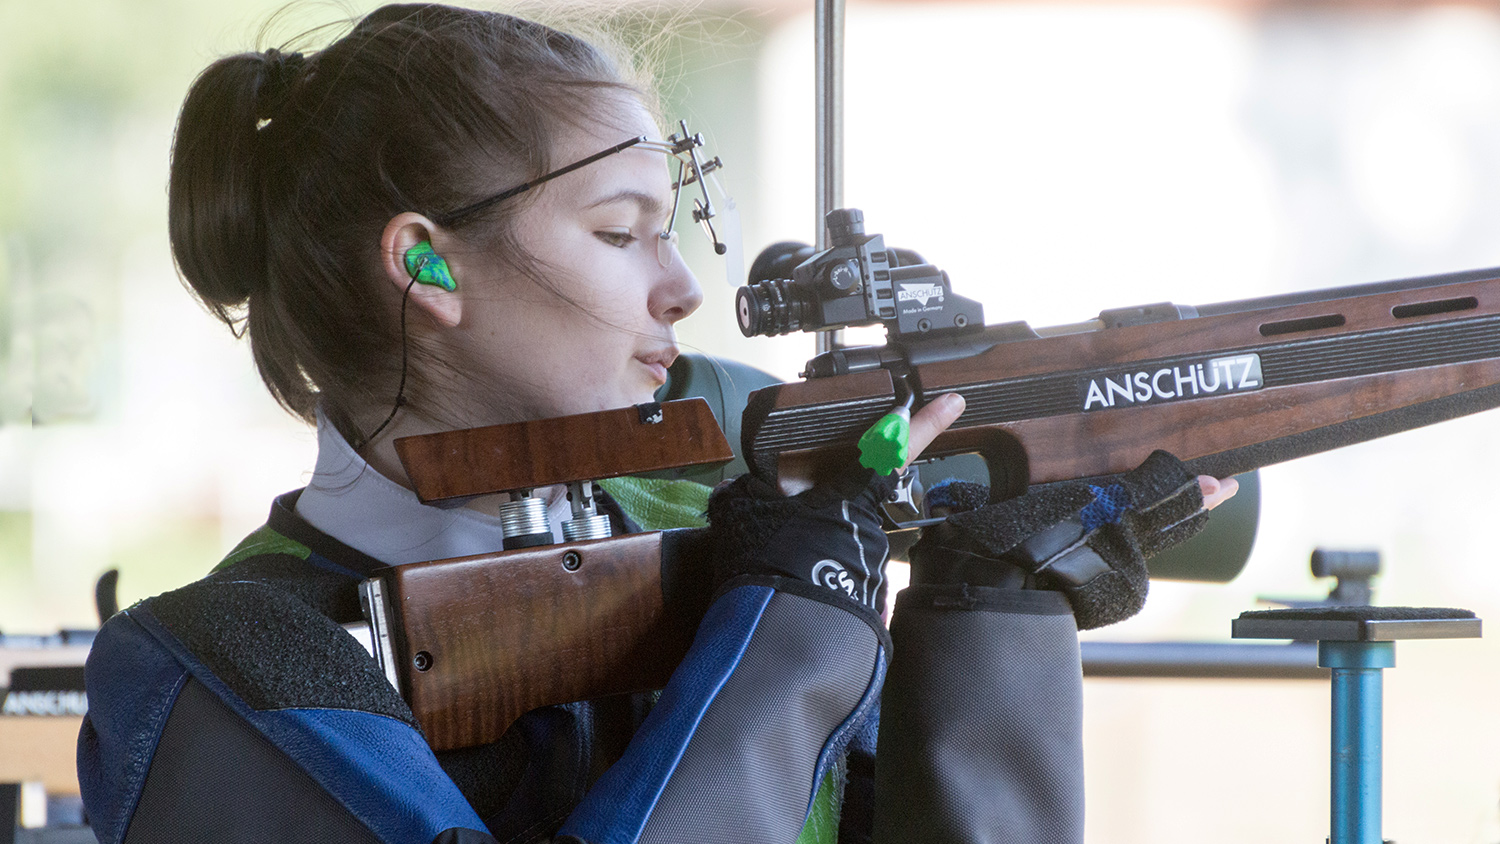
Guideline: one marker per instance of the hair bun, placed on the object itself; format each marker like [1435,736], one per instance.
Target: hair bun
[281,72]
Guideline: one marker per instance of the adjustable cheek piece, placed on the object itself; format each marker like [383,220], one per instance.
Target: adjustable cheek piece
[426,266]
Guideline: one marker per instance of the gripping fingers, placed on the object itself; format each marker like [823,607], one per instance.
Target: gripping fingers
[933,419]
[1215,491]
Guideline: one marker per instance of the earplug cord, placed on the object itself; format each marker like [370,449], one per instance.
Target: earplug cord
[401,386]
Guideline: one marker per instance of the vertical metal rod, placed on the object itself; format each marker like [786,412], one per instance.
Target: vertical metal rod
[1355,762]
[1356,756]
[828,55]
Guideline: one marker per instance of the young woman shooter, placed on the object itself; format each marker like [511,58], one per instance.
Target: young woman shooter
[451,218]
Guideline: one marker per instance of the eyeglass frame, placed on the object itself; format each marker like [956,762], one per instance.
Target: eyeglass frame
[676,145]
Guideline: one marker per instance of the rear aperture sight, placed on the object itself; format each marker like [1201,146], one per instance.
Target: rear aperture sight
[856,281]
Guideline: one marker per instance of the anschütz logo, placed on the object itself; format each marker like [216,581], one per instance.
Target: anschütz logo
[45,703]
[920,293]
[1172,381]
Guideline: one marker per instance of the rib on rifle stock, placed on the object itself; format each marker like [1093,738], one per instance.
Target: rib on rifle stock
[1238,386]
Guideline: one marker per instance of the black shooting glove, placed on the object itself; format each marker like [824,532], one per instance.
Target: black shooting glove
[1090,542]
[828,536]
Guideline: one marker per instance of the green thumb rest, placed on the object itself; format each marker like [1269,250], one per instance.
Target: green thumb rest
[885,447]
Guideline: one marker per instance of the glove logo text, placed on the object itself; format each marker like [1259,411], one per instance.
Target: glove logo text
[832,575]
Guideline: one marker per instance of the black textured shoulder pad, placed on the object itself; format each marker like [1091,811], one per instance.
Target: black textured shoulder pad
[275,650]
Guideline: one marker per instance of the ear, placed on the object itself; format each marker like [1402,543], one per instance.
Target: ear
[404,231]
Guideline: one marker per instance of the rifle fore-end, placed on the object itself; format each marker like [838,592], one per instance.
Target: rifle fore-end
[1226,393]
[479,641]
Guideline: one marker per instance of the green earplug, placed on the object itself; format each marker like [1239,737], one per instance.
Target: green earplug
[428,267]
[885,447]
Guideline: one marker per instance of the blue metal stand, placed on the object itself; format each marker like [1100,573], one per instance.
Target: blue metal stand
[1356,752]
[1355,643]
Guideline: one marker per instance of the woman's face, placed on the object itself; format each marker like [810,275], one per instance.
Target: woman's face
[599,334]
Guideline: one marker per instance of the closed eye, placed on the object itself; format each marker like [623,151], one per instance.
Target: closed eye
[618,239]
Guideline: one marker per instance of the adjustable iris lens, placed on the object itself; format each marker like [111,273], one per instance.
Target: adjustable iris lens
[750,311]
[773,306]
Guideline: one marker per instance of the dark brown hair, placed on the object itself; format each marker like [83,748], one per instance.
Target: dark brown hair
[286,168]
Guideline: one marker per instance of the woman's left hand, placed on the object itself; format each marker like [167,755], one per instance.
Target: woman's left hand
[1215,491]
[937,415]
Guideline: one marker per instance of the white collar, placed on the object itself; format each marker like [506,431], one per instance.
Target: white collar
[350,500]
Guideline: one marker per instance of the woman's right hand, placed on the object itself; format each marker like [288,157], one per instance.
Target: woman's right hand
[933,419]
[926,424]
[827,534]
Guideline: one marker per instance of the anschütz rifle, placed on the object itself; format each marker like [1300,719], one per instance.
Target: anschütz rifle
[1227,388]
[473,643]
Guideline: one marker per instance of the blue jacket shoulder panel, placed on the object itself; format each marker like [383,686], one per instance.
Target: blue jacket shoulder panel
[215,778]
[284,670]
[270,648]
[262,636]
[133,683]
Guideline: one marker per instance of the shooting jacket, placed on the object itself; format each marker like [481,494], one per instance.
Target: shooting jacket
[239,709]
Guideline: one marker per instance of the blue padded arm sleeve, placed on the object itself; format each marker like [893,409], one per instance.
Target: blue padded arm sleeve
[780,675]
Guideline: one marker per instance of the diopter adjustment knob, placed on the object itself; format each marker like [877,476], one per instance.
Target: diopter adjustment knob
[845,226]
[843,276]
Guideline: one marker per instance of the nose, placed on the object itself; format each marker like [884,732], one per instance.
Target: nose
[676,292]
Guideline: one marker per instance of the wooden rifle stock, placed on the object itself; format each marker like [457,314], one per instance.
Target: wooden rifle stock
[476,642]
[473,643]
[1242,385]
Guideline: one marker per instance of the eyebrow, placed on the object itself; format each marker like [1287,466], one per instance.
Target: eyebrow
[649,204]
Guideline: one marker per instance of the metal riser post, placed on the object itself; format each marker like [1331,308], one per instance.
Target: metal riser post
[1355,763]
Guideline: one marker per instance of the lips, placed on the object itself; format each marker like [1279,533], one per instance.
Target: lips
[658,361]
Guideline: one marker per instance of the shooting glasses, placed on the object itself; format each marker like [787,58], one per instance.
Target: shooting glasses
[691,169]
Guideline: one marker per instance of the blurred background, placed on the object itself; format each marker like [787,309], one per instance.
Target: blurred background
[1056,158]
